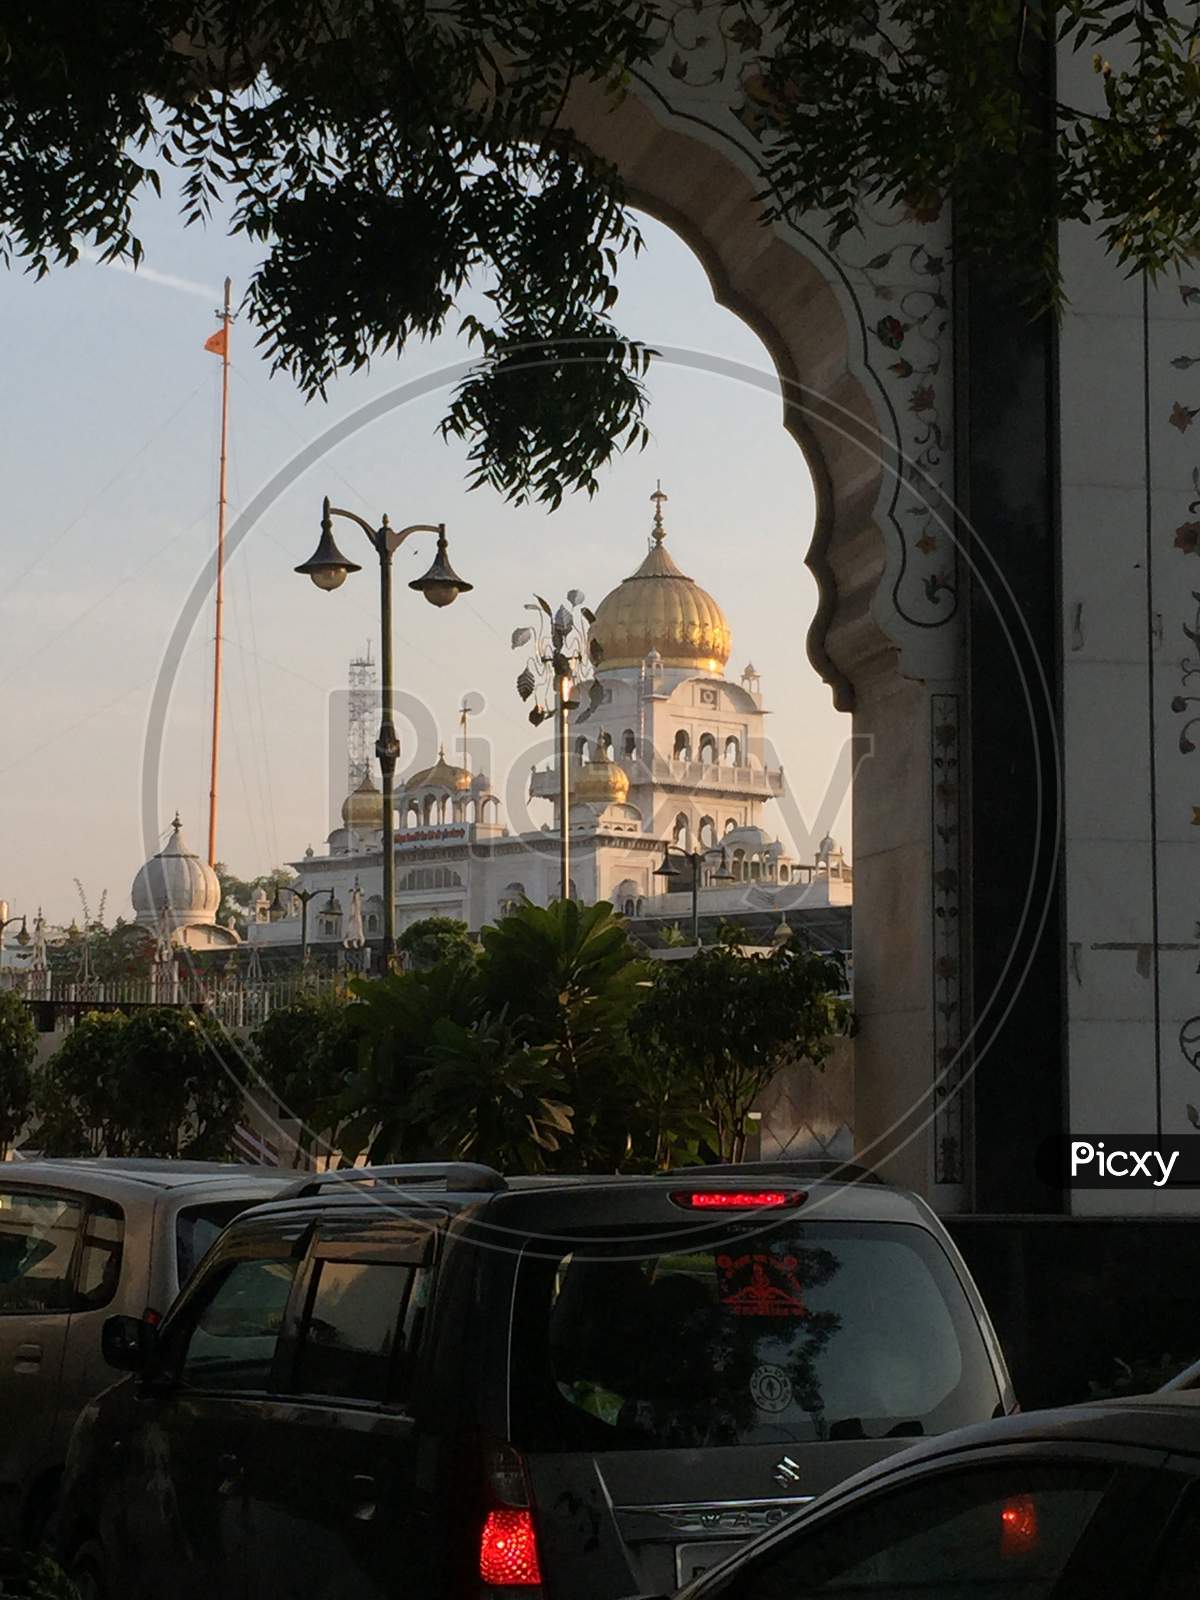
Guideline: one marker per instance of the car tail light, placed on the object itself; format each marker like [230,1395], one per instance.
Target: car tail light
[735,1199]
[508,1546]
[508,1552]
[151,1317]
[1018,1526]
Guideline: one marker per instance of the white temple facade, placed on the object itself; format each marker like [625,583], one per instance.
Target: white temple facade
[667,755]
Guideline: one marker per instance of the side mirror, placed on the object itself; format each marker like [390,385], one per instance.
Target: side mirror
[128,1343]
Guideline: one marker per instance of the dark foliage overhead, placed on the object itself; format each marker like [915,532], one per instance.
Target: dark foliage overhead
[386,153]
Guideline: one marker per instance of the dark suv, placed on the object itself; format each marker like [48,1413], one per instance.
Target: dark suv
[434,1382]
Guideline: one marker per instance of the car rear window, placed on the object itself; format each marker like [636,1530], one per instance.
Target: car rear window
[797,1333]
[197,1227]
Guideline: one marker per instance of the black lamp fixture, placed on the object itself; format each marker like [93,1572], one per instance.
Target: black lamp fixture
[329,568]
[695,859]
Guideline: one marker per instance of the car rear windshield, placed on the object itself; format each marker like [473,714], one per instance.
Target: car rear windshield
[800,1332]
[197,1227]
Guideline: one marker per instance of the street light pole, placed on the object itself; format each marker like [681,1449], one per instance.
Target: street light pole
[564,790]
[563,653]
[695,859]
[304,896]
[328,568]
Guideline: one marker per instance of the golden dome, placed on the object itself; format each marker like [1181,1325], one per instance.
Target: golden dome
[599,783]
[661,608]
[441,775]
[363,809]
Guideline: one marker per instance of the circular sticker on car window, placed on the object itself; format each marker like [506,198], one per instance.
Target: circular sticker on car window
[770,1388]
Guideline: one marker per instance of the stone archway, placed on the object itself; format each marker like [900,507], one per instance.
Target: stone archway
[872,421]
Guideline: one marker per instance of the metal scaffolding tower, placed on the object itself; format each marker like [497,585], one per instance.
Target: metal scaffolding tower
[362,715]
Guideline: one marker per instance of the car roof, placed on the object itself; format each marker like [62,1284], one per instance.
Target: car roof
[145,1173]
[1154,1421]
[455,1186]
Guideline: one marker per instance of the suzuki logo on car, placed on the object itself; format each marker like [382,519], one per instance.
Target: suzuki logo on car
[786,1473]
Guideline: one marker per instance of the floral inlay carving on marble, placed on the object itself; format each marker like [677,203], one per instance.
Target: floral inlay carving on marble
[895,270]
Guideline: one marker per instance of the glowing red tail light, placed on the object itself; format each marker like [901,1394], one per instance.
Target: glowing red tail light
[735,1199]
[508,1553]
[1018,1526]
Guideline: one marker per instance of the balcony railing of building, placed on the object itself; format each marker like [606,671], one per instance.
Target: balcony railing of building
[668,773]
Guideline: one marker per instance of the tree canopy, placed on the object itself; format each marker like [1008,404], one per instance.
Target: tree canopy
[386,156]
[162,1082]
[18,1047]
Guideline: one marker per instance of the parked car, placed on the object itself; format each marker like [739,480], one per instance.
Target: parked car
[80,1240]
[1094,1500]
[562,1386]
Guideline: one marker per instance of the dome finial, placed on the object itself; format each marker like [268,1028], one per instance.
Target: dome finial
[658,533]
[176,822]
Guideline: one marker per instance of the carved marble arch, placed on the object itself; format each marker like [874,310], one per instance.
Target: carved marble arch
[676,170]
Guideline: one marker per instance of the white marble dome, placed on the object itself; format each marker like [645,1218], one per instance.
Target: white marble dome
[178,881]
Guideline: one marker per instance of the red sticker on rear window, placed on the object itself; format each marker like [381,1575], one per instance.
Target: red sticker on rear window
[761,1285]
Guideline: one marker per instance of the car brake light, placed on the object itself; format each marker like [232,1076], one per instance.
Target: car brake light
[508,1553]
[735,1199]
[151,1317]
[1018,1526]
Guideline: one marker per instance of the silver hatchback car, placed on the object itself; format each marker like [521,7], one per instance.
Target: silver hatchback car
[80,1241]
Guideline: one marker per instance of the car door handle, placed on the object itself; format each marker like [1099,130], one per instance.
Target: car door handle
[365,1496]
[27,1358]
[229,1471]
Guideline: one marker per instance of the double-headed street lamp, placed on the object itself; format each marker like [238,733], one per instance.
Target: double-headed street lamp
[328,568]
[696,860]
[304,896]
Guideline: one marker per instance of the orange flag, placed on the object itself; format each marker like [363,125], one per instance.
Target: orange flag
[218,342]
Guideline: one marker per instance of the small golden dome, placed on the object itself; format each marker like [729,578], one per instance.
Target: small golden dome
[600,783]
[441,775]
[659,608]
[363,809]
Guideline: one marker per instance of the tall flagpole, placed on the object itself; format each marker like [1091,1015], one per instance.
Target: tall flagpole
[226,317]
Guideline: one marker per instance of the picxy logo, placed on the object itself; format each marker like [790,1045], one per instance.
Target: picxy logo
[1094,1159]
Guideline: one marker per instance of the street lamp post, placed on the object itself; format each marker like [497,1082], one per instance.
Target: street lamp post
[304,896]
[328,568]
[696,860]
[6,922]
[563,658]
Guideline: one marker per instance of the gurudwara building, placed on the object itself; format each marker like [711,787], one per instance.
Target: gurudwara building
[667,754]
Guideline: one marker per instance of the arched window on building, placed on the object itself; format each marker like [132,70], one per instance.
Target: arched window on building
[708,748]
[707,833]
[683,745]
[629,908]
[679,833]
[730,825]
[606,746]
[629,743]
[733,751]
[738,865]
[470,812]
[581,749]
[427,810]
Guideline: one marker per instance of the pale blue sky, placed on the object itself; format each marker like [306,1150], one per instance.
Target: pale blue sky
[110,424]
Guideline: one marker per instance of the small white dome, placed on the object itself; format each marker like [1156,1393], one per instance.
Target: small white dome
[178,882]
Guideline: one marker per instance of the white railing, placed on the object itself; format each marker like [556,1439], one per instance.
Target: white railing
[238,1003]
